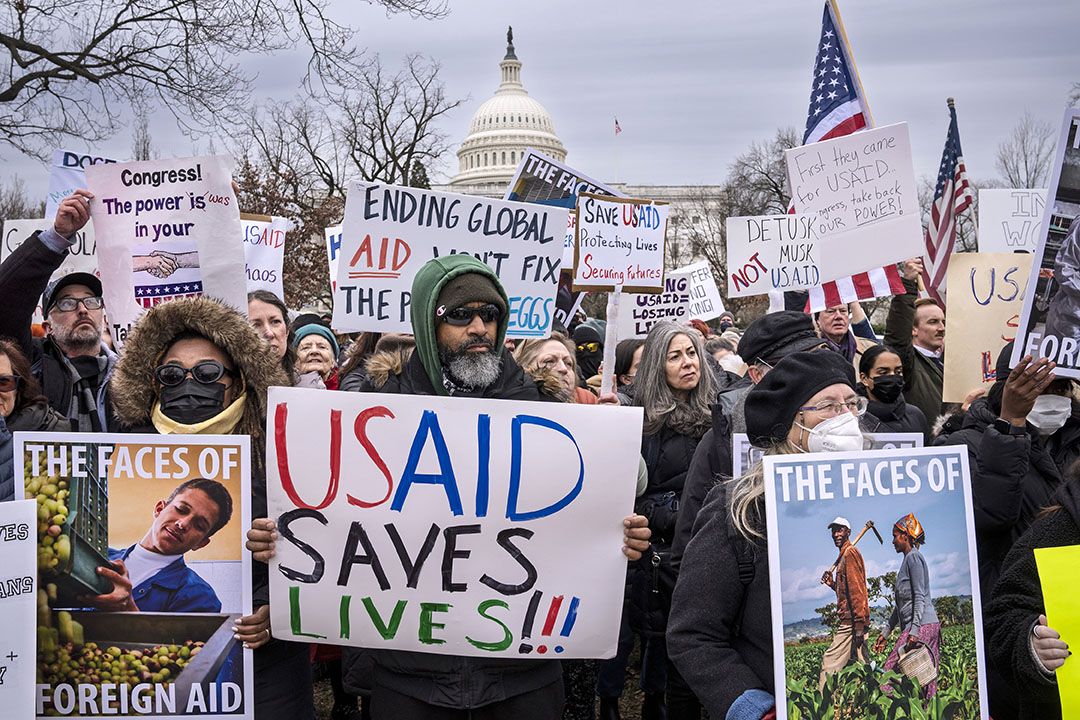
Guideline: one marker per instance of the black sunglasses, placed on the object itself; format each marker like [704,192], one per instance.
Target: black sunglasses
[9,382]
[464,315]
[205,372]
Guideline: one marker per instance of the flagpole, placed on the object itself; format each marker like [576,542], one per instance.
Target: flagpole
[615,149]
[851,62]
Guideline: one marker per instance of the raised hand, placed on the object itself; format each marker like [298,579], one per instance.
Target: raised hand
[73,213]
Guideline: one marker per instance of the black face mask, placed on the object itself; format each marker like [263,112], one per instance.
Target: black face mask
[887,388]
[192,402]
[590,363]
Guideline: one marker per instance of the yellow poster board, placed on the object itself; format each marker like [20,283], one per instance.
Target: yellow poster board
[1057,573]
[986,295]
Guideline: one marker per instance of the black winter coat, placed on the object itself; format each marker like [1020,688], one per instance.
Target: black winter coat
[444,680]
[667,457]
[1012,479]
[24,275]
[895,417]
[719,634]
[1017,602]
[711,464]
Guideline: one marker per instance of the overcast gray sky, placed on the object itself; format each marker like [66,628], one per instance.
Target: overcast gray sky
[695,83]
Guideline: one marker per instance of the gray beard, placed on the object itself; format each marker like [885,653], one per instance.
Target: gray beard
[474,370]
[81,340]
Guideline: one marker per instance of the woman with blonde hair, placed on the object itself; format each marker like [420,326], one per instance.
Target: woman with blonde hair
[555,354]
[720,624]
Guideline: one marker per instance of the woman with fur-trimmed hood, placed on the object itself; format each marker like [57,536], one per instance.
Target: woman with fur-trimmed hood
[194,366]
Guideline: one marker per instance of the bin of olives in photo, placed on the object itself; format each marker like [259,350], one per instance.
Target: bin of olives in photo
[73,532]
[183,649]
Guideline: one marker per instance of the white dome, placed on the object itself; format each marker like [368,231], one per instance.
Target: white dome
[500,131]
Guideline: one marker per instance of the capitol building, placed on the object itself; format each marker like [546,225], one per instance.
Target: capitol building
[511,121]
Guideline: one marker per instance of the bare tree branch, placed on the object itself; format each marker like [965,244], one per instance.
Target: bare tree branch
[1024,158]
[69,68]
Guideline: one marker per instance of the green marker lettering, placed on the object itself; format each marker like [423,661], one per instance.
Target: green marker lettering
[508,637]
[427,624]
[387,631]
[344,612]
[294,613]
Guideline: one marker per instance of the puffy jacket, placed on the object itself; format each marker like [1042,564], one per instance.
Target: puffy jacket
[1013,478]
[895,417]
[1017,602]
[444,680]
[133,395]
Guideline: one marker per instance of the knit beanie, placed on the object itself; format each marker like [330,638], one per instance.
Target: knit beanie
[317,329]
[468,288]
[772,404]
[777,335]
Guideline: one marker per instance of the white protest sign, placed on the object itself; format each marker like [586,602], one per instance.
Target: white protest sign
[744,455]
[390,232]
[168,229]
[68,174]
[544,180]
[640,311]
[18,607]
[620,244]
[333,252]
[1009,220]
[1050,319]
[772,252]
[705,300]
[82,257]
[264,251]
[862,189]
[450,529]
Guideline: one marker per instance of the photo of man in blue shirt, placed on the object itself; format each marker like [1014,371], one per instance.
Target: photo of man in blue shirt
[151,576]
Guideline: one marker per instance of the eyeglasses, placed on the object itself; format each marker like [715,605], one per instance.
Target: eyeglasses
[68,304]
[9,382]
[831,409]
[464,315]
[206,372]
[588,347]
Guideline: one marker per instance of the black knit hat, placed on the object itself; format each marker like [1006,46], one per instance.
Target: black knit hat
[777,335]
[772,404]
[468,288]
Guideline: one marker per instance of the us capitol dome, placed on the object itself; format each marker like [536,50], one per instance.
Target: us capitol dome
[500,131]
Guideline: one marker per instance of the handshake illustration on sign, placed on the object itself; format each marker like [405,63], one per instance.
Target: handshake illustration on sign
[162,263]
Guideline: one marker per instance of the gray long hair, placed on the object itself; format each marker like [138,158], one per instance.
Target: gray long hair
[662,409]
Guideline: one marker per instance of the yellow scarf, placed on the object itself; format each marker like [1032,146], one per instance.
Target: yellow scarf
[221,424]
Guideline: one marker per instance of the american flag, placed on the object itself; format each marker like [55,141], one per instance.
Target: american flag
[838,108]
[951,197]
[617,128]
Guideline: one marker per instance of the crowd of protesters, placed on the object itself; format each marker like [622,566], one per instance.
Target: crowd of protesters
[697,584]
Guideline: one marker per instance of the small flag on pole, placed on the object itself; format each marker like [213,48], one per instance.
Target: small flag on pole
[837,108]
[952,195]
[617,128]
